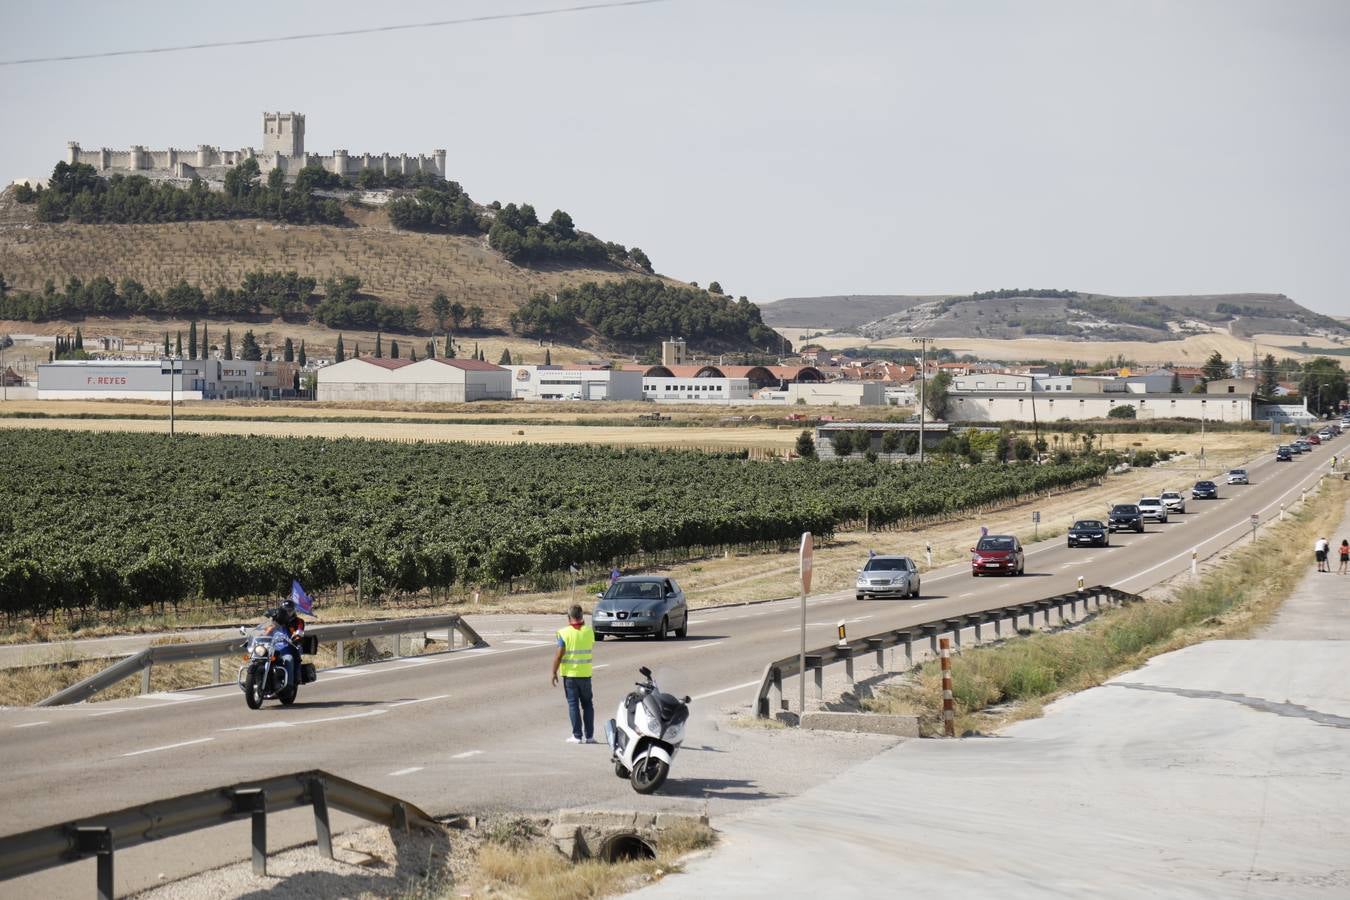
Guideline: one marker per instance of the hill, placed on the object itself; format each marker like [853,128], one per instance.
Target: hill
[1065,315]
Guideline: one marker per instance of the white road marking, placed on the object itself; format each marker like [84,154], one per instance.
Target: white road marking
[696,621]
[600,666]
[734,687]
[31,724]
[702,644]
[284,723]
[530,643]
[110,712]
[407,771]
[168,697]
[420,700]
[466,754]
[168,747]
[966,594]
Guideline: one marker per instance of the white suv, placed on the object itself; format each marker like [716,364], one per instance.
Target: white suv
[1175,501]
[1152,508]
[1237,476]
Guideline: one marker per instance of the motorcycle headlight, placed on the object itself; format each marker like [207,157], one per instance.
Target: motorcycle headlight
[259,649]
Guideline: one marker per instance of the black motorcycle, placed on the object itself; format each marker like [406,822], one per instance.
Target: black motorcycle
[273,669]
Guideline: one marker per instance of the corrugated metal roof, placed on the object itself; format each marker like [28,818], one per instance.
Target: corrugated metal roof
[469,365]
[386,363]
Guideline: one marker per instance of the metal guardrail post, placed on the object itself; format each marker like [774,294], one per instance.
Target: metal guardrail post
[775,691]
[322,830]
[340,650]
[1059,608]
[909,651]
[998,625]
[848,668]
[955,625]
[98,841]
[254,802]
[215,670]
[1045,608]
[145,677]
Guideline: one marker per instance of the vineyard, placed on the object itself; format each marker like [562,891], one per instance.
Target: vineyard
[123,521]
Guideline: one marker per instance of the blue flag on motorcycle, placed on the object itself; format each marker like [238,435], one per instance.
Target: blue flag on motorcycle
[302,601]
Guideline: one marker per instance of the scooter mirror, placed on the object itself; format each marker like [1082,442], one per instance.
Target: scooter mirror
[687,700]
[646,672]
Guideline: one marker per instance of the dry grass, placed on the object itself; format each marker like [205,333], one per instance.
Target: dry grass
[1230,601]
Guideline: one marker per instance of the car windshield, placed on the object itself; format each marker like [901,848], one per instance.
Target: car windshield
[887,564]
[1205,485]
[634,590]
[1238,472]
[995,543]
[1125,509]
[1171,495]
[1087,523]
[1150,501]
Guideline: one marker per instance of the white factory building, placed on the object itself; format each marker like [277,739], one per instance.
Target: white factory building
[990,406]
[141,379]
[575,383]
[429,380]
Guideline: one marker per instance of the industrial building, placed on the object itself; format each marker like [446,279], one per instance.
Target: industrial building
[400,380]
[1027,406]
[575,383]
[706,389]
[198,379]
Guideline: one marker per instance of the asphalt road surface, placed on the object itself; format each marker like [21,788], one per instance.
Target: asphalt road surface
[482,729]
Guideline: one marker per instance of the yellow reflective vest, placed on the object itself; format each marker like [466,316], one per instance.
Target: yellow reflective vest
[578,644]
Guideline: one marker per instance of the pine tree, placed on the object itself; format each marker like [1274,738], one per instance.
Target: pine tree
[431,349]
[339,355]
[301,358]
[206,344]
[192,339]
[1270,379]
[177,344]
[393,349]
[250,349]
[505,358]
[806,445]
[1216,367]
[288,351]
[379,345]
[229,344]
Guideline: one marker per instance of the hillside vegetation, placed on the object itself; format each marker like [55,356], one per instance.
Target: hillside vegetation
[1008,314]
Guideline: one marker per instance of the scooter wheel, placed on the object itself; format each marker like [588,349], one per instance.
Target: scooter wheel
[649,773]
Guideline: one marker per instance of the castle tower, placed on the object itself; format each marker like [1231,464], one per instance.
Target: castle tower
[440,162]
[72,152]
[284,133]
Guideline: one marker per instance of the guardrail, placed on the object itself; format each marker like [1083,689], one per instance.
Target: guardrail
[99,836]
[145,660]
[770,698]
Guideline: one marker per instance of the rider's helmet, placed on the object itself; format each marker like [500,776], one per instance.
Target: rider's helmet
[288,608]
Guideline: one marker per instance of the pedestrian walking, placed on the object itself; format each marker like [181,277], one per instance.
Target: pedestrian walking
[576,644]
[1320,548]
[1345,557]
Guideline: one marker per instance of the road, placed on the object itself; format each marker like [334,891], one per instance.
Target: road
[482,729]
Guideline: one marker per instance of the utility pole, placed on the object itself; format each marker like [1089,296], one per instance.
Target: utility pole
[923,384]
[4,372]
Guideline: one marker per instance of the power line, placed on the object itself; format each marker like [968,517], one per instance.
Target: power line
[468,20]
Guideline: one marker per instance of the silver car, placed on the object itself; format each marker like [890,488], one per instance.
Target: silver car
[887,576]
[1152,508]
[641,604]
[1237,476]
[1175,501]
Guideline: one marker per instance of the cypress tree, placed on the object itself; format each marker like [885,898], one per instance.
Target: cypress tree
[393,349]
[79,340]
[431,349]
[166,343]
[357,353]
[206,343]
[548,357]
[301,358]
[449,348]
[229,344]
[288,351]
[339,355]
[192,339]
[379,345]
[177,346]
[412,354]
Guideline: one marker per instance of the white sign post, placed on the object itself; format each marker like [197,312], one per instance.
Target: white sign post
[1256,520]
[804,557]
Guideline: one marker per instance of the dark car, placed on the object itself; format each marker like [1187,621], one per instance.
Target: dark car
[1125,515]
[1205,490]
[1301,446]
[641,604]
[1089,533]
[997,553]
[1284,454]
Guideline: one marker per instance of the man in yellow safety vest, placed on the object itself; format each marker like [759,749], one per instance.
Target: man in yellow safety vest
[576,643]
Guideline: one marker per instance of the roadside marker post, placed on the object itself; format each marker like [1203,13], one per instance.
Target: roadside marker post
[843,633]
[804,565]
[1195,557]
[1256,520]
[1036,525]
[1081,583]
[948,703]
[928,551]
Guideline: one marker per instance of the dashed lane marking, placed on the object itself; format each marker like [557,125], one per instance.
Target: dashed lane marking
[168,747]
[407,771]
[286,723]
[727,690]
[466,754]
[420,700]
[31,724]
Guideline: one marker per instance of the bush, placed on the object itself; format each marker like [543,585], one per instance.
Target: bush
[1144,459]
[842,441]
[1122,412]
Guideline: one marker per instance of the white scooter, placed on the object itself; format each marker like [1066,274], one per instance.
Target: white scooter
[645,733]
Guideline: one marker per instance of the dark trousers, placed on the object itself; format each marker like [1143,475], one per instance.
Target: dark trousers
[579,706]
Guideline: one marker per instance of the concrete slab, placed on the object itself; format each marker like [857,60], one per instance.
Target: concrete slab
[1218,770]
[861,723]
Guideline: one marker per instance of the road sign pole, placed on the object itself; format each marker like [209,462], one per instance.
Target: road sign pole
[804,563]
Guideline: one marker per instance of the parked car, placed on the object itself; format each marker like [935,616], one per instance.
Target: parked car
[1205,490]
[1284,454]
[1089,533]
[887,576]
[641,604]
[1152,508]
[1237,476]
[997,553]
[1123,516]
[1175,501]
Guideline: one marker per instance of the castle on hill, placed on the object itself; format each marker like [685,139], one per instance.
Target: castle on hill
[283,148]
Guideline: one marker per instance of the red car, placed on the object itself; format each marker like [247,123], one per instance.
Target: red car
[997,553]
[1313,439]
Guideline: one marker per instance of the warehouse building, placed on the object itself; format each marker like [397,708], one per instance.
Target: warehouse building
[995,406]
[575,383]
[706,389]
[401,380]
[198,379]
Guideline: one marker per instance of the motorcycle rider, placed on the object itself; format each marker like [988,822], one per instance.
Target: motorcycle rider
[284,617]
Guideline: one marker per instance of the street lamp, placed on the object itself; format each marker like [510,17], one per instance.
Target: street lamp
[4,372]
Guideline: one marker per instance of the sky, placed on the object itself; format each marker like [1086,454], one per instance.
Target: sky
[783,148]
